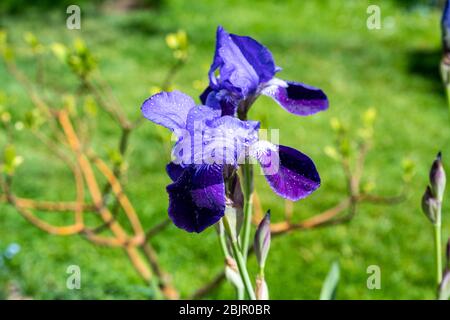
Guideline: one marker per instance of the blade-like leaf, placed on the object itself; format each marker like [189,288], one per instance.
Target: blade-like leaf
[330,284]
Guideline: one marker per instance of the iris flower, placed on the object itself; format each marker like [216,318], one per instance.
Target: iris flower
[243,69]
[212,142]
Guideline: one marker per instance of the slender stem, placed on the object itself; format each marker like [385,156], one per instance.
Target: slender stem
[247,176]
[239,260]
[223,241]
[438,252]
[223,246]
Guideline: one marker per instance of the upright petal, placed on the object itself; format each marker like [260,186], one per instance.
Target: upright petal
[169,109]
[297,98]
[290,173]
[258,56]
[197,198]
[237,75]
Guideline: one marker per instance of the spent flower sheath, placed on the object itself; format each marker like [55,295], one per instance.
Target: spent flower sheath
[215,138]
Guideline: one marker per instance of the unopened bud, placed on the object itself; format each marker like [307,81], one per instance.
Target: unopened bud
[262,240]
[430,206]
[444,287]
[437,178]
[262,291]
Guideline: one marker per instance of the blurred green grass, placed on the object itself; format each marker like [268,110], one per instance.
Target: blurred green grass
[322,43]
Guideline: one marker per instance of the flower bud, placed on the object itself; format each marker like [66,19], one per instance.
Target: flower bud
[437,178]
[262,291]
[430,206]
[444,287]
[262,240]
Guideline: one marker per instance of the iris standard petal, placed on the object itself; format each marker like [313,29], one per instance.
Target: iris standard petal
[290,173]
[197,198]
[297,98]
[258,56]
[169,109]
[236,74]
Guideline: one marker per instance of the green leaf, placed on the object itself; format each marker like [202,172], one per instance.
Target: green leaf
[330,284]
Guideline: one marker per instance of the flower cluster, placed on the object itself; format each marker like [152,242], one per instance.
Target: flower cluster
[215,138]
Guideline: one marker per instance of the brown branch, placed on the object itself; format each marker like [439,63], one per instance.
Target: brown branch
[51,206]
[83,173]
[62,231]
[120,195]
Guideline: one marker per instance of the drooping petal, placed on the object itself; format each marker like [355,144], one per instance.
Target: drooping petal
[174,170]
[197,198]
[169,109]
[237,75]
[297,98]
[290,173]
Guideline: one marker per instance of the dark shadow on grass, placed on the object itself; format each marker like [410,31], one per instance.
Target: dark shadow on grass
[410,4]
[425,63]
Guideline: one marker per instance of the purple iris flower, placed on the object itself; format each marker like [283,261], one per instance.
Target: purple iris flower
[200,169]
[212,142]
[445,26]
[243,69]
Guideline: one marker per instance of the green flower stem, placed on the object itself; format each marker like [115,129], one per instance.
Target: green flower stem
[222,239]
[438,252]
[247,177]
[223,247]
[239,260]
[261,272]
